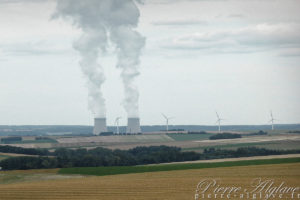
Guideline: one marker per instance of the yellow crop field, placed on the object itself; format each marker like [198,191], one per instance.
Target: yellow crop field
[178,185]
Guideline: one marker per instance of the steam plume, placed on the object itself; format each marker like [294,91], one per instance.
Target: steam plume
[101,20]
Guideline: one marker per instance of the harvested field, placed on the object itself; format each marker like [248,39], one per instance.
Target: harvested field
[175,185]
[184,141]
[255,139]
[190,137]
[113,142]
[117,139]
[279,145]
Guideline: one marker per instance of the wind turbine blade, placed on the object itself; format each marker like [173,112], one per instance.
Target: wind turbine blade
[117,119]
[271,114]
[164,116]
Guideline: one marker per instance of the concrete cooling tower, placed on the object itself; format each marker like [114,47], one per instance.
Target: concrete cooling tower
[133,125]
[99,126]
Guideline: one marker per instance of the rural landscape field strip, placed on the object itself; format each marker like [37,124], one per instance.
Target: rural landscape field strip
[103,171]
[190,137]
[117,139]
[175,185]
[255,139]
[2,157]
[233,146]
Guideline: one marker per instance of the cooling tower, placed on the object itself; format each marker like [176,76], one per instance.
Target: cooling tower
[133,125]
[99,126]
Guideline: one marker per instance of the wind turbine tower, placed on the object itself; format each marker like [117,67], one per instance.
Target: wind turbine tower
[219,121]
[167,121]
[272,120]
[117,124]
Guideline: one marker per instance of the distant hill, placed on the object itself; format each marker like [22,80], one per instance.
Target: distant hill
[77,130]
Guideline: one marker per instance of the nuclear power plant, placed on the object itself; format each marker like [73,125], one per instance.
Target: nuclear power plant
[103,26]
[133,126]
[99,126]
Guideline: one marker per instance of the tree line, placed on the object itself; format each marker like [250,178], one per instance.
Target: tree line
[225,136]
[27,151]
[11,139]
[63,158]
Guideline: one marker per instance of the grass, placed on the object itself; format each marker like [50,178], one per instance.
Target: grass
[17,176]
[190,137]
[103,171]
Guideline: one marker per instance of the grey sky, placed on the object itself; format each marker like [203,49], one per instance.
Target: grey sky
[240,58]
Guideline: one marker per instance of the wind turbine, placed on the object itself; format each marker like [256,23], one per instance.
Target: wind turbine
[167,121]
[117,124]
[219,121]
[272,120]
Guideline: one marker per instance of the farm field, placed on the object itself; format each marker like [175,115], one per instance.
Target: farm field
[24,176]
[290,144]
[294,156]
[7,155]
[103,171]
[253,139]
[31,145]
[280,145]
[178,185]
[30,140]
[189,137]
[188,142]
[179,140]
[3,156]
[117,139]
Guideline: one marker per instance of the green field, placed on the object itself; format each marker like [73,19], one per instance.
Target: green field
[103,171]
[190,137]
[281,145]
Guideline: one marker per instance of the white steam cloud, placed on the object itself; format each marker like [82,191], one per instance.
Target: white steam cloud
[100,21]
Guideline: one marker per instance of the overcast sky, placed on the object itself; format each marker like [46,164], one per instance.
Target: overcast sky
[238,57]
